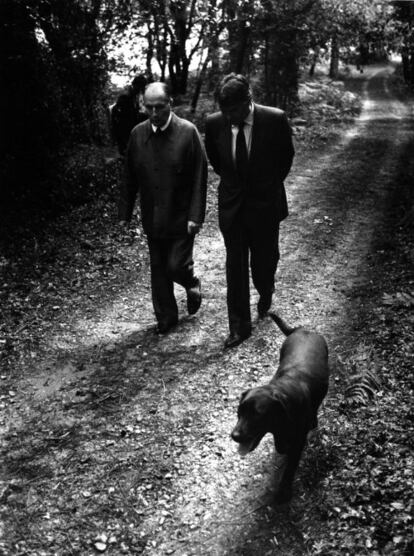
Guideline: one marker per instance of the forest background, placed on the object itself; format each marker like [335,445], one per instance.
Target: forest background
[116,440]
[57,58]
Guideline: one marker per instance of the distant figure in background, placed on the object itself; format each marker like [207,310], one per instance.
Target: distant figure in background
[362,57]
[127,112]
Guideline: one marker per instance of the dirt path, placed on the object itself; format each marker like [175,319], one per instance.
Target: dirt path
[122,437]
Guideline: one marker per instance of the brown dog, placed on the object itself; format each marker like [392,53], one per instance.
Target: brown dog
[286,407]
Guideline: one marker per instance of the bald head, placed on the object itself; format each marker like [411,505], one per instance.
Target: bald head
[158,88]
[157,102]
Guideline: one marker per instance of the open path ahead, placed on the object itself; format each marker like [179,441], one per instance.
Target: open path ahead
[114,431]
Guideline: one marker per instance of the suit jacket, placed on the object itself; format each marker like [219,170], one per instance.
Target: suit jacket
[262,199]
[170,171]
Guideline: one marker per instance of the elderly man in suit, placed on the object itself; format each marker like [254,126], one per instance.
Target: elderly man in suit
[250,148]
[166,162]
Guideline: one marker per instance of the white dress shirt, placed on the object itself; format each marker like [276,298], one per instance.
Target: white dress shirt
[164,127]
[248,132]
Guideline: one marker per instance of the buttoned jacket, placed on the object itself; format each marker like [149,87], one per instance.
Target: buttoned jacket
[170,172]
[260,198]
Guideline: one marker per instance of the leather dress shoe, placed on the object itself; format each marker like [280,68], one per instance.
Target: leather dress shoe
[263,305]
[194,298]
[235,338]
[165,326]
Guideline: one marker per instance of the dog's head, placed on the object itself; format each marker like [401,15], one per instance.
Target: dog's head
[259,409]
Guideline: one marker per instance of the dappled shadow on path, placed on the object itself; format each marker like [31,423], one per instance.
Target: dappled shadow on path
[340,210]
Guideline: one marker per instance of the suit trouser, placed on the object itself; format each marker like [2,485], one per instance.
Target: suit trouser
[171,261]
[244,241]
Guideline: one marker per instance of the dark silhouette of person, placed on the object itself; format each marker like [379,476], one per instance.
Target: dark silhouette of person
[362,56]
[127,112]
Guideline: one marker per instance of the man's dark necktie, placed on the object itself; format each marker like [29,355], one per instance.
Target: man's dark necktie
[242,157]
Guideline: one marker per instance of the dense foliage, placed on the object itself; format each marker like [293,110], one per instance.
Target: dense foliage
[404,37]
[53,74]
[55,58]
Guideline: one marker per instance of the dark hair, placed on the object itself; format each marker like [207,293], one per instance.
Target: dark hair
[234,88]
[138,83]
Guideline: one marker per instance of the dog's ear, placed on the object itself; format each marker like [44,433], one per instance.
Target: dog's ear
[241,406]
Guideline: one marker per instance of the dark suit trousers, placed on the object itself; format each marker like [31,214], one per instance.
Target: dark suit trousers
[171,261]
[244,242]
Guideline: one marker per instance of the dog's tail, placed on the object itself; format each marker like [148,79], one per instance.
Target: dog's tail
[284,327]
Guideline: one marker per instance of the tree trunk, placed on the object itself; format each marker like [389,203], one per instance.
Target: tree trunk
[178,63]
[334,65]
[314,61]
[149,54]
[266,69]
[243,33]
[239,34]
[281,69]
[199,82]
[214,73]
[196,94]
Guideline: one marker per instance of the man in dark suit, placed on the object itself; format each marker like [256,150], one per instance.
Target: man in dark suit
[166,162]
[250,147]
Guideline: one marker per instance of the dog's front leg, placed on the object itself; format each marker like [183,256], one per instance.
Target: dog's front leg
[284,492]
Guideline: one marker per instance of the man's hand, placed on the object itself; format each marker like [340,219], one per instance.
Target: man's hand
[193,228]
